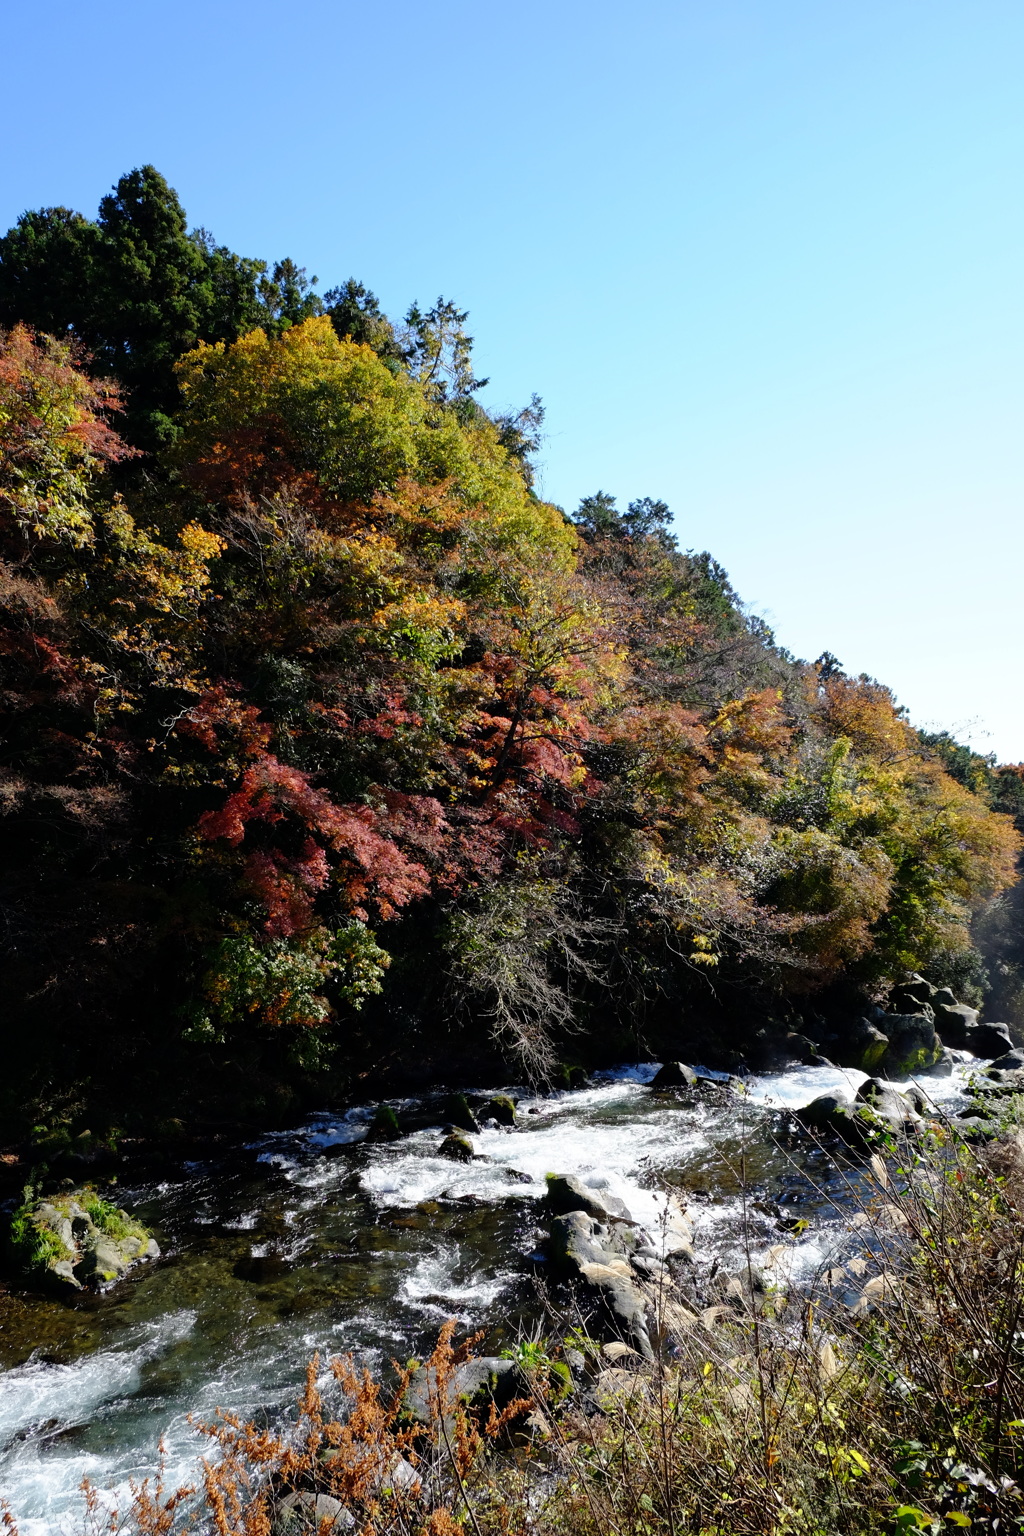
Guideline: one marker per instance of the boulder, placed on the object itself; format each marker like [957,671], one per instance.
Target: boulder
[991,1040]
[912,995]
[831,1115]
[864,1047]
[674,1075]
[585,1251]
[75,1240]
[567,1193]
[457,1148]
[943,997]
[500,1108]
[943,1067]
[1011,1062]
[952,1021]
[384,1126]
[913,1043]
[888,1104]
[458,1113]
[314,1513]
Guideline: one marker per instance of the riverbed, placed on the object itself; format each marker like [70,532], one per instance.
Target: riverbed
[311,1240]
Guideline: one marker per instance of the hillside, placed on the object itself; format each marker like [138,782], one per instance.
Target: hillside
[332,751]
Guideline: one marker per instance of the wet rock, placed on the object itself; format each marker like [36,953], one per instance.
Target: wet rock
[952,1022]
[989,1040]
[593,1256]
[911,996]
[1013,1061]
[567,1193]
[565,1077]
[864,1047]
[76,1240]
[500,1108]
[299,1513]
[457,1148]
[832,1117]
[459,1114]
[943,1067]
[888,1104]
[913,1043]
[384,1126]
[674,1074]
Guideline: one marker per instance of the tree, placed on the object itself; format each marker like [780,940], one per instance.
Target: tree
[439,352]
[357,316]
[138,290]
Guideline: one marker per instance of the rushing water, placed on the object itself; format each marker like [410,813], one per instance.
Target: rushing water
[313,1240]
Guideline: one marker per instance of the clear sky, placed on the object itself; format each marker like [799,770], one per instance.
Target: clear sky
[761,258]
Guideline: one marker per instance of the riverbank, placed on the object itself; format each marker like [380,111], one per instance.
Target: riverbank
[314,1238]
[819,1371]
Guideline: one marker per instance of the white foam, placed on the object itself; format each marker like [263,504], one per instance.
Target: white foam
[431,1286]
[797,1087]
[39,1398]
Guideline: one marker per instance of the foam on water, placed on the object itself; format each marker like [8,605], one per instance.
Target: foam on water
[432,1287]
[42,1404]
[797,1087]
[591,1134]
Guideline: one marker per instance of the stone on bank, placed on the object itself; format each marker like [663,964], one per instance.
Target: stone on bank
[75,1240]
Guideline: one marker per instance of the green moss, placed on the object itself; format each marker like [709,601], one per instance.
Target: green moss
[457,1111]
[500,1108]
[110,1218]
[384,1126]
[35,1246]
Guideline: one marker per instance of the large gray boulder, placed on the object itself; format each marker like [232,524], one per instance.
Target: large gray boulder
[989,1040]
[913,1044]
[832,1116]
[1013,1061]
[864,1047]
[584,1251]
[912,995]
[888,1105]
[566,1193]
[952,1021]
[877,1108]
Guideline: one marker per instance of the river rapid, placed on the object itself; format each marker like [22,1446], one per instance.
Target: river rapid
[312,1240]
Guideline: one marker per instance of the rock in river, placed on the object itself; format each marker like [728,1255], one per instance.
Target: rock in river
[73,1240]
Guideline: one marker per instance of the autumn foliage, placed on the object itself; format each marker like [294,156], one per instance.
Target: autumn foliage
[296,706]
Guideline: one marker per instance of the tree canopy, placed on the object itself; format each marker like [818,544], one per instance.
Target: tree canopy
[311,705]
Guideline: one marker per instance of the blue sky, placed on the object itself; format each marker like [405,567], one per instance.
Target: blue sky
[763,260]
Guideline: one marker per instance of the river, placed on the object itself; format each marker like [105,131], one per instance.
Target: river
[311,1240]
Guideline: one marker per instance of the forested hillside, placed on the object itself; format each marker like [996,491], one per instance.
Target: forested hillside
[330,748]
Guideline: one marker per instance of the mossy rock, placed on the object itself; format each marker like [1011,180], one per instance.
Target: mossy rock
[73,1240]
[459,1114]
[456,1148]
[564,1076]
[500,1108]
[384,1126]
